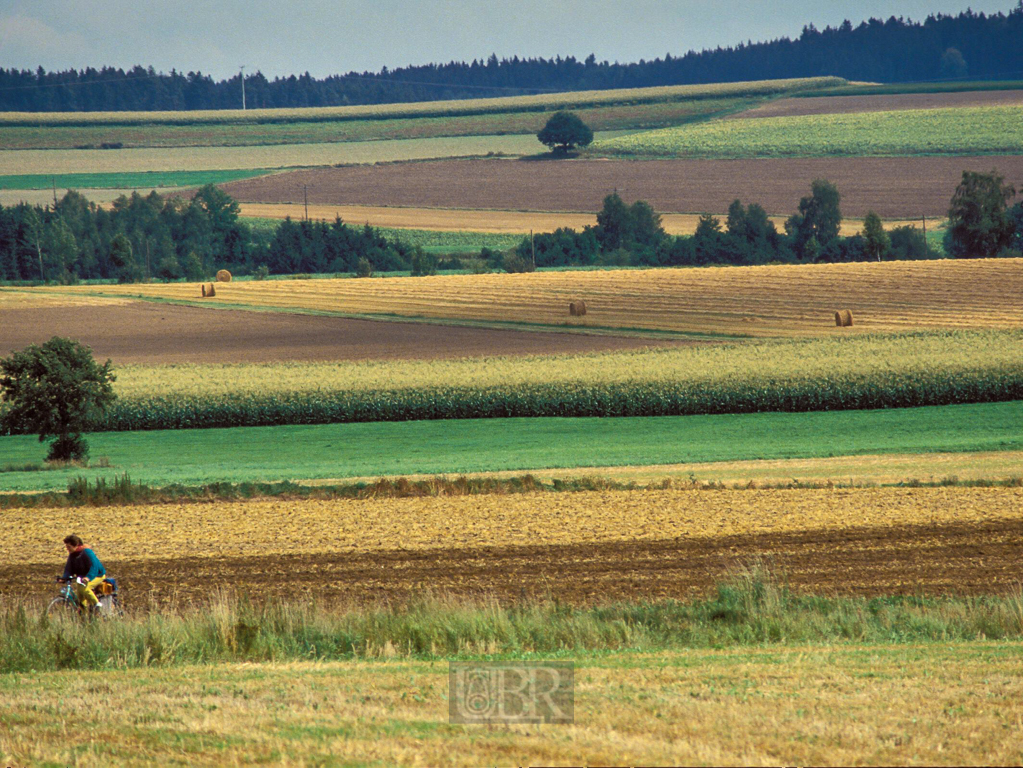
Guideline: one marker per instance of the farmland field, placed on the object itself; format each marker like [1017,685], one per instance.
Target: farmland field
[892,187]
[147,179]
[586,547]
[332,451]
[954,131]
[769,301]
[832,105]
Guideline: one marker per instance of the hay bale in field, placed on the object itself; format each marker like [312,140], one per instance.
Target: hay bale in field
[838,319]
[223,276]
[571,309]
[203,286]
[212,291]
[577,308]
[847,318]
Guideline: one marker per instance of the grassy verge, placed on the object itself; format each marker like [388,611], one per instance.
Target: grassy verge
[749,610]
[878,89]
[260,454]
[125,180]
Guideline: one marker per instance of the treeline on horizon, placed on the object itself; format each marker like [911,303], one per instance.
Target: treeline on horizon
[141,238]
[944,47]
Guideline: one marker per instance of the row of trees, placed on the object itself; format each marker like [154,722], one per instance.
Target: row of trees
[897,50]
[168,238]
[981,224]
[148,237]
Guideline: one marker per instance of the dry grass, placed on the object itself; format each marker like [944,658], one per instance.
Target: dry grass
[15,298]
[789,300]
[936,704]
[214,530]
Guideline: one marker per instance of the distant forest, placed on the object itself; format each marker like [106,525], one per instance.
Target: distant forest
[943,47]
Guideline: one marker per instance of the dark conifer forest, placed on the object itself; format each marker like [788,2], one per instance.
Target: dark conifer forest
[969,45]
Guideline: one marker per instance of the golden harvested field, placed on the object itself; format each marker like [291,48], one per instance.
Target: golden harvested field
[588,546]
[934,704]
[783,301]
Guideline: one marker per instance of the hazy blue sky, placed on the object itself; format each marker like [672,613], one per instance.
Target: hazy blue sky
[325,37]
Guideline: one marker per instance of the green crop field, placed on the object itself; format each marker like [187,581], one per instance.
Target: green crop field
[492,445]
[146,179]
[955,131]
[870,371]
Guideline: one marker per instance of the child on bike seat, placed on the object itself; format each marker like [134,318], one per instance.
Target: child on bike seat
[85,568]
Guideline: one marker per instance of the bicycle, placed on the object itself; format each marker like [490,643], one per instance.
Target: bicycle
[67,603]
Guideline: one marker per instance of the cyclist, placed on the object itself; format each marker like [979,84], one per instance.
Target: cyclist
[85,569]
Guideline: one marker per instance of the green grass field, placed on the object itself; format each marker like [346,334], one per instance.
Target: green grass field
[144,179]
[884,89]
[947,131]
[194,457]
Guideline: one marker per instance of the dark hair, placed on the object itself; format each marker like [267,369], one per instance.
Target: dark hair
[73,540]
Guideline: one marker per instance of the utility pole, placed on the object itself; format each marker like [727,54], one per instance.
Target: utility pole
[242,71]
[924,219]
[305,193]
[54,192]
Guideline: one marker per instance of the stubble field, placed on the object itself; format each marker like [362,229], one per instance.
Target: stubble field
[586,548]
[769,301]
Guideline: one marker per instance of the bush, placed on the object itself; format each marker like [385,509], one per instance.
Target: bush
[363,268]
[515,262]
[423,263]
[262,272]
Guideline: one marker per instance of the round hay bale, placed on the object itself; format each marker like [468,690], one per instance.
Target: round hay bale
[847,318]
[580,308]
[223,276]
[203,286]
[212,291]
[838,319]
[572,310]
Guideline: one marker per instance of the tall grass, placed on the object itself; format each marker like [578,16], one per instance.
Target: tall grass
[752,608]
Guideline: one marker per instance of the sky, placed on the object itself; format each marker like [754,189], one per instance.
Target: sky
[324,38]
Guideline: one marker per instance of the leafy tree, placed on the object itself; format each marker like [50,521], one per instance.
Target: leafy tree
[636,228]
[565,131]
[978,222]
[908,242]
[423,263]
[126,269]
[819,217]
[55,390]
[875,240]
[953,65]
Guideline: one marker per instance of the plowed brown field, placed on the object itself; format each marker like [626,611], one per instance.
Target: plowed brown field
[582,547]
[172,334]
[893,187]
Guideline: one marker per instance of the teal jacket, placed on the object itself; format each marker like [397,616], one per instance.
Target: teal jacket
[84,564]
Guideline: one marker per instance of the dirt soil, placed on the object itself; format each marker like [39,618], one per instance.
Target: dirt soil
[834,105]
[965,559]
[893,187]
[146,333]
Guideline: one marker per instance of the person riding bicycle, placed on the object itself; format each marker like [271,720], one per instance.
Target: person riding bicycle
[85,569]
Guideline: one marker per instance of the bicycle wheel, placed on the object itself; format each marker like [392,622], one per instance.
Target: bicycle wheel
[110,607]
[61,608]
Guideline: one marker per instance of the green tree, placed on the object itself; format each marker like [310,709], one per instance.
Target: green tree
[125,268]
[819,217]
[56,390]
[875,239]
[978,222]
[563,132]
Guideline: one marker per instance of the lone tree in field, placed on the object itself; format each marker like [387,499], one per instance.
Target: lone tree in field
[55,390]
[978,221]
[564,132]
